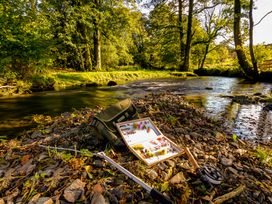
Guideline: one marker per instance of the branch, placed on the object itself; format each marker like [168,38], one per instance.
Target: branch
[263,18]
[229,195]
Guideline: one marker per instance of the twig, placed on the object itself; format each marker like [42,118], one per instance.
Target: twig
[229,195]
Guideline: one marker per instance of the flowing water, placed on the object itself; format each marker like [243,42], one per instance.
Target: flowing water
[247,121]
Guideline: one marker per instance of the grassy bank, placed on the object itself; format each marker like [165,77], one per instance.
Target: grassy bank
[63,79]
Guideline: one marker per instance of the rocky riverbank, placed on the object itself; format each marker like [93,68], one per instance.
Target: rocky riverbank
[30,173]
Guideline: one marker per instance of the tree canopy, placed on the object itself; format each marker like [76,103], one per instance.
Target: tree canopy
[89,35]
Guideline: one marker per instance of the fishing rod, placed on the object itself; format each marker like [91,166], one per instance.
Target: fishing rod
[154,193]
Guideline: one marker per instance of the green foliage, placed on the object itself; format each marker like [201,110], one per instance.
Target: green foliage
[264,155]
[25,38]
[234,137]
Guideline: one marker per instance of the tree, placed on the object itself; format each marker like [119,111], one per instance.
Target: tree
[239,48]
[24,47]
[185,65]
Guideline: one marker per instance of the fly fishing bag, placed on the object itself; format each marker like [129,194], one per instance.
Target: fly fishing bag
[105,121]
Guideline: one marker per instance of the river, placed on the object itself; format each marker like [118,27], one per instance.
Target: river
[247,121]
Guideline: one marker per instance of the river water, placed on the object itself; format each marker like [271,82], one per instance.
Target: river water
[246,121]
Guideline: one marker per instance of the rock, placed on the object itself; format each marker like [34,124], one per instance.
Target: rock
[92,84]
[118,192]
[166,175]
[170,163]
[111,83]
[98,198]
[256,194]
[152,174]
[226,162]
[73,192]
[185,165]
[44,200]
[232,170]
[34,199]
[98,163]
[178,178]
[219,137]
[241,151]
[36,134]
[162,166]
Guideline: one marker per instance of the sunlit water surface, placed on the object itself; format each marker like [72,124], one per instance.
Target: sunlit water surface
[247,121]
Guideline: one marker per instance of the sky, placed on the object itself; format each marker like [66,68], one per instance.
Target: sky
[263,31]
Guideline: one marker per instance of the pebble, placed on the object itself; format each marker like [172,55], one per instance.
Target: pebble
[162,166]
[232,170]
[74,191]
[118,192]
[98,163]
[226,162]
[44,200]
[152,174]
[166,175]
[178,178]
[170,163]
[256,194]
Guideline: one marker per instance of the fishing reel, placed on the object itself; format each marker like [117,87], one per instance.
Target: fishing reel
[210,175]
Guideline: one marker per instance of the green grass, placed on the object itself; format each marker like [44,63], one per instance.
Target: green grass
[70,79]
[264,155]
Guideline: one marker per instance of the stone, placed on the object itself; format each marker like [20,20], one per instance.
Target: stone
[111,83]
[98,199]
[162,166]
[241,151]
[98,163]
[118,192]
[166,175]
[232,170]
[73,192]
[184,165]
[219,137]
[91,84]
[170,163]
[44,200]
[152,174]
[256,194]
[226,162]
[178,178]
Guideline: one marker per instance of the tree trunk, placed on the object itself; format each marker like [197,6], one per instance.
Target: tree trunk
[251,24]
[205,55]
[97,48]
[186,62]
[243,62]
[180,27]
[97,39]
